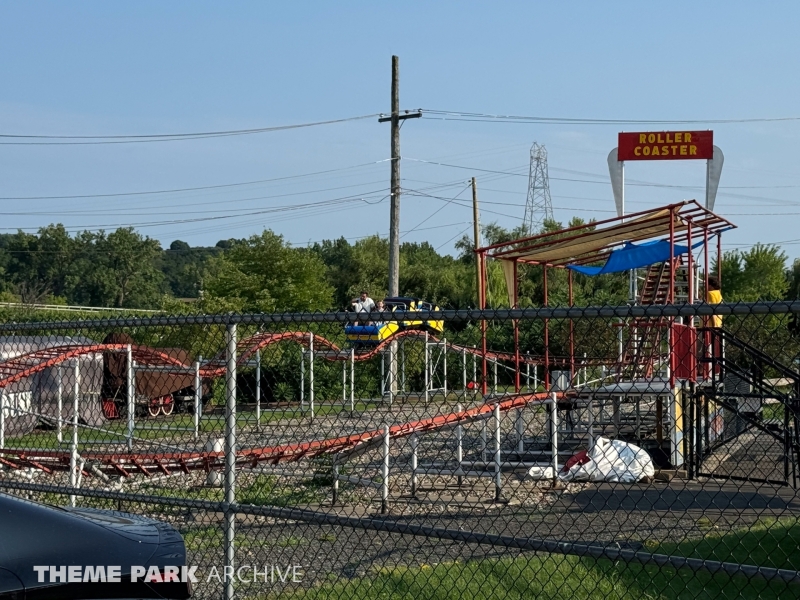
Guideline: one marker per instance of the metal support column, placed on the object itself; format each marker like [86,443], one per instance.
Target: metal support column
[198,399]
[414,463]
[444,365]
[498,478]
[130,392]
[427,369]
[528,372]
[335,472]
[344,384]
[475,366]
[2,417]
[258,390]
[73,455]
[60,401]
[311,374]
[460,446]
[385,472]
[464,370]
[554,434]
[352,381]
[484,440]
[302,380]
[403,365]
[230,455]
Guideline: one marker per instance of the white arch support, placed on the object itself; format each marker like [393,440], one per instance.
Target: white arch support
[616,171]
[713,173]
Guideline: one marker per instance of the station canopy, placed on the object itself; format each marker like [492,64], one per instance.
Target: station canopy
[624,242]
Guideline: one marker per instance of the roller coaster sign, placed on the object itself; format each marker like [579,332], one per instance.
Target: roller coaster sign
[666,145]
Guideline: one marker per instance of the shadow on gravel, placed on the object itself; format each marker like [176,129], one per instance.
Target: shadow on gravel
[684,498]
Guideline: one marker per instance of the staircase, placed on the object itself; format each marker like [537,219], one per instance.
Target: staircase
[656,283]
[643,349]
[751,445]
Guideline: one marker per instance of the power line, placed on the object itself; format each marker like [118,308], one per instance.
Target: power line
[194,189]
[448,115]
[636,183]
[439,247]
[123,211]
[434,213]
[279,209]
[457,203]
[64,140]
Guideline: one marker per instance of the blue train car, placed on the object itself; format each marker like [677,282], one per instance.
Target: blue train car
[370,335]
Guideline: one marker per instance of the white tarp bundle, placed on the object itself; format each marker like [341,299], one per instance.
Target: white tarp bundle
[611,460]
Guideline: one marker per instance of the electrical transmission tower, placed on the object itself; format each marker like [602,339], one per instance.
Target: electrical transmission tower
[539,206]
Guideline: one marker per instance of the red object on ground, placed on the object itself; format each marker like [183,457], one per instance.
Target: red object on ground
[581,458]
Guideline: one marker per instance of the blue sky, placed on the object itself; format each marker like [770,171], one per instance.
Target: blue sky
[102,68]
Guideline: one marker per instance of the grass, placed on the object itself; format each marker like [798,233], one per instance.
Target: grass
[207,537]
[211,537]
[769,542]
[291,542]
[266,491]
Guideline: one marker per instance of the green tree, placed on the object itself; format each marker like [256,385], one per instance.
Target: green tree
[793,277]
[755,274]
[264,273]
[118,269]
[183,268]
[40,261]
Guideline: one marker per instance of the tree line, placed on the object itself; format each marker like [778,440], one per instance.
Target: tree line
[264,273]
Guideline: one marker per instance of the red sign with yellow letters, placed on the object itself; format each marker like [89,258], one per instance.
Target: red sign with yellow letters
[666,145]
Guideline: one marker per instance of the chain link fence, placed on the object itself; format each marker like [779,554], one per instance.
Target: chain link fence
[614,452]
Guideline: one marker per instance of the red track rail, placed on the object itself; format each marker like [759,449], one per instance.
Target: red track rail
[247,347]
[23,366]
[26,365]
[168,463]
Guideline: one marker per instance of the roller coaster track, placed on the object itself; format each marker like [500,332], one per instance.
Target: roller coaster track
[126,464]
[247,347]
[18,368]
[25,365]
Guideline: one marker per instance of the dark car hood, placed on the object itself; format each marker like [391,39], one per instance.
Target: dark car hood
[33,534]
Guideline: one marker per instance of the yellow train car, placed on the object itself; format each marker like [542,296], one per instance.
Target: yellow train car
[408,304]
[373,334]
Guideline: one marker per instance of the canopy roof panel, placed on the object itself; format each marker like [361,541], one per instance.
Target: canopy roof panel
[591,243]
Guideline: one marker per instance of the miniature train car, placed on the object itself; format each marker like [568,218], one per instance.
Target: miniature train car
[372,334]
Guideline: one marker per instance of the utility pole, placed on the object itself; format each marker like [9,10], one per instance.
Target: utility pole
[394,212]
[481,293]
[477,234]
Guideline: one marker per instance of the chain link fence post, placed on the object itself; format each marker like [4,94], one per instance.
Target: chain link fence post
[230,459]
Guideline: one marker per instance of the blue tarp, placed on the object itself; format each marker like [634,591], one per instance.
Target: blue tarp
[633,256]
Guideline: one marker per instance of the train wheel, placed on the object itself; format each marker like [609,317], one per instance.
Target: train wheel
[153,409]
[167,407]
